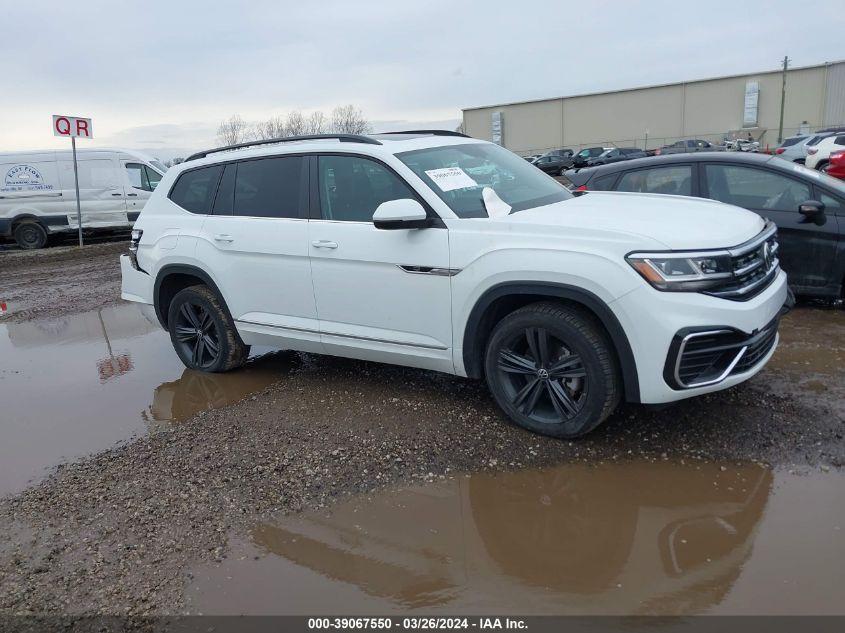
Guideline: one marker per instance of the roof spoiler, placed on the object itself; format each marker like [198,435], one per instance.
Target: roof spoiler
[343,138]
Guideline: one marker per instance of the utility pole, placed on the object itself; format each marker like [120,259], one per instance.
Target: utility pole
[782,98]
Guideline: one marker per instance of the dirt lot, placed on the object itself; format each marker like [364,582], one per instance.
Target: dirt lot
[121,530]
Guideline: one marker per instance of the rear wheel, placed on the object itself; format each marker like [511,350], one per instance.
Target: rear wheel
[551,370]
[823,166]
[30,235]
[202,332]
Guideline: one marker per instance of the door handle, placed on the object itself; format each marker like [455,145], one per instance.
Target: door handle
[222,237]
[131,195]
[323,244]
[117,194]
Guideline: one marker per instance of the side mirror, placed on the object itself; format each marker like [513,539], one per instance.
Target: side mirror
[401,214]
[813,211]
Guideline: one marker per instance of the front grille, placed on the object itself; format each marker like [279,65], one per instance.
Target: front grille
[708,357]
[755,266]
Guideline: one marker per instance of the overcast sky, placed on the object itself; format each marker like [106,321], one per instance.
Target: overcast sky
[160,76]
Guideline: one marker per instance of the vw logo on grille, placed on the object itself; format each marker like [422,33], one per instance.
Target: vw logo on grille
[543,374]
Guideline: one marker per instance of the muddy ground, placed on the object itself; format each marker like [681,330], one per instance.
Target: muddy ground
[120,531]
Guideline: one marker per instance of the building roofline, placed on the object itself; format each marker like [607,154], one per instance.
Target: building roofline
[646,87]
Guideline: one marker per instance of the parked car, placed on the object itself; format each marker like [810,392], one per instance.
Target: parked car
[615,155]
[792,148]
[553,164]
[38,192]
[686,146]
[836,166]
[818,156]
[583,155]
[384,248]
[808,207]
[560,152]
[532,157]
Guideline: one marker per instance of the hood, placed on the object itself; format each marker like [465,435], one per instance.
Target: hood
[677,222]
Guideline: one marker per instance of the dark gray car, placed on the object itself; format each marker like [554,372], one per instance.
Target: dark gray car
[808,207]
[687,146]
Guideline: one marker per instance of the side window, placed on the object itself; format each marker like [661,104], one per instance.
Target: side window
[754,188]
[142,177]
[840,140]
[603,183]
[269,187]
[352,188]
[195,189]
[675,180]
[831,204]
[224,203]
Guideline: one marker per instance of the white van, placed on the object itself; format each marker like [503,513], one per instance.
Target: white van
[37,195]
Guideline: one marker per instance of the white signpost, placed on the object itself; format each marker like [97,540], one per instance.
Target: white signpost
[74,127]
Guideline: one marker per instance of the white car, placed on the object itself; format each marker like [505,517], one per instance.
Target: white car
[38,192]
[818,156]
[385,248]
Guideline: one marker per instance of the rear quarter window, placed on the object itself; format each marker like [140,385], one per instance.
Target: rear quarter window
[194,190]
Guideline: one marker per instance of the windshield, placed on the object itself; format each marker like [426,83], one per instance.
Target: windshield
[458,173]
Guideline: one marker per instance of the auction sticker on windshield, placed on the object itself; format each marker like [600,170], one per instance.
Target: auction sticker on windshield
[449,178]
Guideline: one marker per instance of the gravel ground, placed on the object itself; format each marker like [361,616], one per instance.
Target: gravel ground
[116,533]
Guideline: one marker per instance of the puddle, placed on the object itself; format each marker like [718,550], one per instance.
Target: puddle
[812,342]
[633,538]
[79,384]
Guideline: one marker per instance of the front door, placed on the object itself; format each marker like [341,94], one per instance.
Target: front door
[256,241]
[139,182]
[382,295]
[807,250]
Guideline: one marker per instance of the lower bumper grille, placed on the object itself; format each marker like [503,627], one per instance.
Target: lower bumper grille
[702,358]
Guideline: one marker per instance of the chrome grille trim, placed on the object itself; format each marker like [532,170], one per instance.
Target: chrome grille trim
[755,266]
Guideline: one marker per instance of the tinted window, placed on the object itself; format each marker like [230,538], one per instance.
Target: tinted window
[792,141]
[352,188]
[754,188]
[834,205]
[603,183]
[675,180]
[840,140]
[225,200]
[195,189]
[815,140]
[269,187]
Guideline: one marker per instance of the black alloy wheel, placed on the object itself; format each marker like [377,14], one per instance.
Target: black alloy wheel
[197,335]
[552,369]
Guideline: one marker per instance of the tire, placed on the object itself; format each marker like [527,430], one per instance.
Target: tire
[30,235]
[219,348]
[551,369]
[822,166]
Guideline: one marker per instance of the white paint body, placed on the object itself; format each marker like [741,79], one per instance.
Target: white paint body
[337,287]
[40,185]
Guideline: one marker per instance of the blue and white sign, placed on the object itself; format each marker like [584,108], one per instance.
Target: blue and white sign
[24,178]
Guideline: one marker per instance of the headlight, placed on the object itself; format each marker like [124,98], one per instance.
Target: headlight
[682,271]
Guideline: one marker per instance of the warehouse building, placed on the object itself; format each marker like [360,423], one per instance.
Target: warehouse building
[711,109]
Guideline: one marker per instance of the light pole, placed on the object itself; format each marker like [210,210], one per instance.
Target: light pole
[782,99]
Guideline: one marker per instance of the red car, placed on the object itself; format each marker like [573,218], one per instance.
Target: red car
[836,166]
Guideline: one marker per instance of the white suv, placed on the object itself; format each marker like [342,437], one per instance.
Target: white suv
[434,250]
[818,156]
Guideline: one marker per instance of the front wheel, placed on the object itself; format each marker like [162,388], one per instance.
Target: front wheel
[202,332]
[551,369]
[30,235]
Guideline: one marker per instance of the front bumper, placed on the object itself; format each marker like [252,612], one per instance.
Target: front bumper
[653,320]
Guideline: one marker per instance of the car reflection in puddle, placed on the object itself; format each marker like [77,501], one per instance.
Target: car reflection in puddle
[638,537]
[81,383]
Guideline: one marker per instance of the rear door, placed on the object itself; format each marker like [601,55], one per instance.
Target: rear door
[255,241]
[382,295]
[807,250]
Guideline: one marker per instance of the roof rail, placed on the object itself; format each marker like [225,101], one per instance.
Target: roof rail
[432,132]
[343,138]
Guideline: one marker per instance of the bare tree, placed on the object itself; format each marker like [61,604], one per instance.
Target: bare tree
[349,119]
[316,123]
[460,128]
[232,131]
[295,125]
[274,127]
